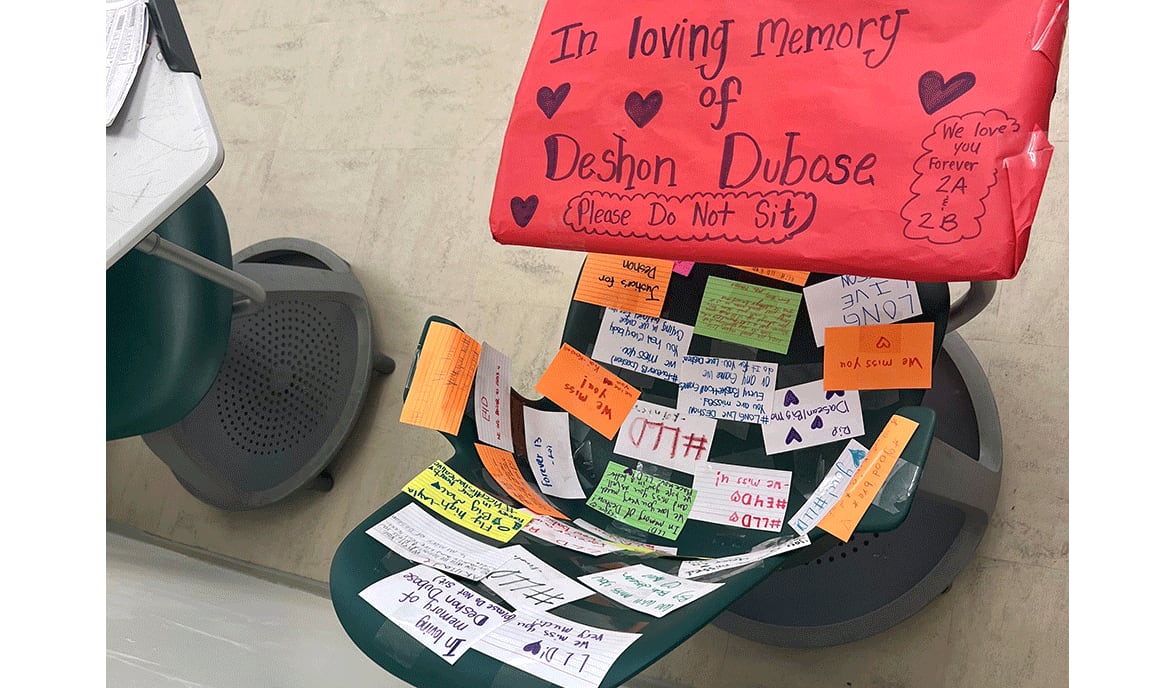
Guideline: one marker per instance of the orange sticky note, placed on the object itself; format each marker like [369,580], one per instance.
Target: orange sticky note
[868,479]
[879,356]
[442,381]
[502,466]
[637,285]
[796,277]
[588,391]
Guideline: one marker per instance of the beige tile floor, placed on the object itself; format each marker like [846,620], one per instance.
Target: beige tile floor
[374,128]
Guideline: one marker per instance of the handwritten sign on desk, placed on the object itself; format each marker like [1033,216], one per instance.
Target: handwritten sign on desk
[726,388]
[442,379]
[650,346]
[637,285]
[760,317]
[869,477]
[654,505]
[441,489]
[879,357]
[588,391]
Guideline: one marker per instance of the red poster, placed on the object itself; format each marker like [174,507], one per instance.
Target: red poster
[907,140]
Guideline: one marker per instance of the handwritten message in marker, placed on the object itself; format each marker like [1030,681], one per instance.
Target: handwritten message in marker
[502,466]
[416,536]
[441,489]
[646,345]
[856,301]
[879,357]
[651,504]
[647,589]
[868,479]
[492,398]
[525,580]
[563,652]
[442,379]
[637,285]
[726,388]
[741,496]
[666,437]
[831,488]
[796,277]
[760,317]
[435,610]
[549,451]
[807,416]
[587,390]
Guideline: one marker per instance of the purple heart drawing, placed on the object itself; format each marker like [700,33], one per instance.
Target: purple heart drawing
[793,436]
[830,395]
[549,100]
[790,399]
[935,93]
[533,648]
[817,423]
[523,209]
[641,110]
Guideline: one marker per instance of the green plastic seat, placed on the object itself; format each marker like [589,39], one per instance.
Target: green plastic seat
[167,328]
[360,560]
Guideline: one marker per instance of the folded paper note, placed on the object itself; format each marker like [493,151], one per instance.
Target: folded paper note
[879,356]
[587,390]
[444,491]
[637,285]
[854,301]
[845,138]
[502,467]
[442,379]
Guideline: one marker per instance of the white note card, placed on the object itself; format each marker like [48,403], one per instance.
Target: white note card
[647,589]
[564,535]
[665,436]
[492,398]
[642,343]
[754,498]
[563,652]
[437,611]
[806,416]
[703,567]
[726,388]
[859,301]
[525,580]
[620,539]
[549,451]
[417,536]
[831,488]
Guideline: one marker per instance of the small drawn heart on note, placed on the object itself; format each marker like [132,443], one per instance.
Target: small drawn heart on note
[830,395]
[549,100]
[882,343]
[793,436]
[533,648]
[935,93]
[523,209]
[858,456]
[817,423]
[790,399]
[641,110]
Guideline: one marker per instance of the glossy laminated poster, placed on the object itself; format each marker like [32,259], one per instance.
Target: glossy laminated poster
[906,140]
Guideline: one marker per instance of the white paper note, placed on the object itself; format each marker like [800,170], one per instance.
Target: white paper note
[126,41]
[559,533]
[492,398]
[554,649]
[641,343]
[440,613]
[806,416]
[417,536]
[646,589]
[858,301]
[831,488]
[612,537]
[525,580]
[549,450]
[726,388]
[697,569]
[665,436]
[754,498]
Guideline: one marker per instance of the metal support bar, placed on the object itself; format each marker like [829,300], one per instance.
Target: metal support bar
[255,296]
[969,305]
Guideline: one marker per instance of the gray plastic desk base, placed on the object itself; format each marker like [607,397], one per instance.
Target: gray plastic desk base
[873,582]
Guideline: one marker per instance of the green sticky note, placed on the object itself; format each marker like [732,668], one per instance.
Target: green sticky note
[760,317]
[657,506]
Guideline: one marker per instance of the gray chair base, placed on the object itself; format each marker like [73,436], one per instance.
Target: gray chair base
[872,583]
[291,386]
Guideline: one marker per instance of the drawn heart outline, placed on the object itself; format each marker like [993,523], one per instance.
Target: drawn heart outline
[549,100]
[523,209]
[935,93]
[642,109]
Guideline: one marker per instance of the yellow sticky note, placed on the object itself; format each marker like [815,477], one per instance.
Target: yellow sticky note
[588,391]
[796,277]
[868,479]
[443,379]
[444,491]
[502,466]
[637,285]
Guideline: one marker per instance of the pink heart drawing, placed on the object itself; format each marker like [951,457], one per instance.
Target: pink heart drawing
[641,110]
[934,93]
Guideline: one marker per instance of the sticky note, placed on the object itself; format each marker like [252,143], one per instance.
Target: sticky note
[417,536]
[879,357]
[726,388]
[647,589]
[683,267]
[501,465]
[831,489]
[587,390]
[760,317]
[666,437]
[492,398]
[441,489]
[549,451]
[643,344]
[806,415]
[868,479]
[796,277]
[741,496]
[442,379]
[525,580]
[657,506]
[857,301]
[637,285]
